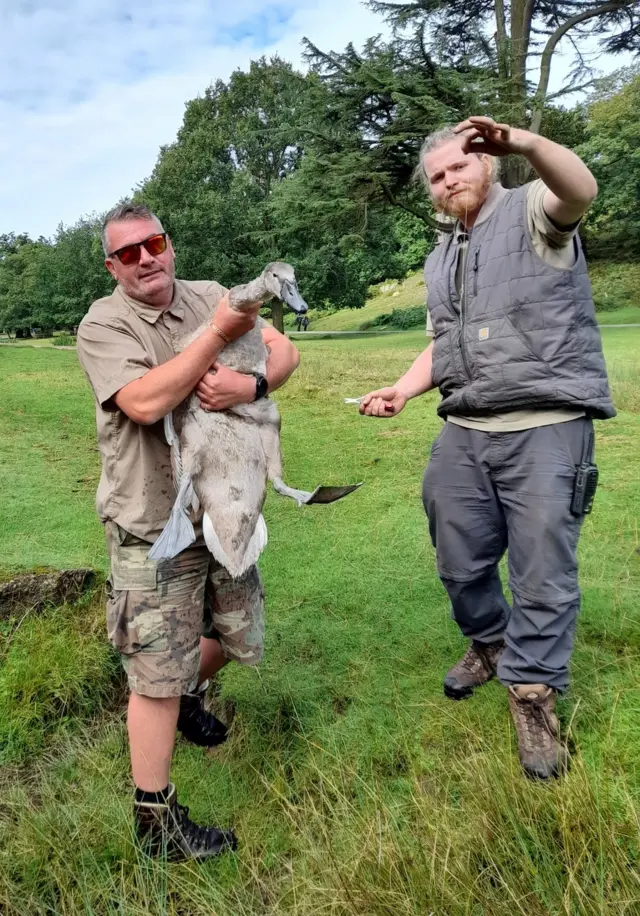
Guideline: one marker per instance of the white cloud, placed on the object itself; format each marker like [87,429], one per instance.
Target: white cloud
[61,158]
[92,90]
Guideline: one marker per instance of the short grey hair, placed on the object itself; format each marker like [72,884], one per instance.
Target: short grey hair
[124,211]
[435,140]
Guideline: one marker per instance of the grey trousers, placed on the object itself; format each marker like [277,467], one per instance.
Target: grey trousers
[488,492]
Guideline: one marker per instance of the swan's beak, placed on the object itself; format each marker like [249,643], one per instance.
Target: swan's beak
[291,297]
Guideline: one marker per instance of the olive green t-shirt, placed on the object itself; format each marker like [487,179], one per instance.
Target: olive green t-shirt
[555,247]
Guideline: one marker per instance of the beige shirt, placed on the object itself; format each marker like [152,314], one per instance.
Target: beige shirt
[119,340]
[555,247]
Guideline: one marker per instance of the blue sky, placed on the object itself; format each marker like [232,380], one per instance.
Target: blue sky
[90,89]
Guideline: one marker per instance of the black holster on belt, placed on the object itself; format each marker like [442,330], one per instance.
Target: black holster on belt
[584,488]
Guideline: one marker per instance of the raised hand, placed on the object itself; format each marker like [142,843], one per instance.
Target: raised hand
[484,135]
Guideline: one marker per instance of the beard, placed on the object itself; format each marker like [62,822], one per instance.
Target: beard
[468,200]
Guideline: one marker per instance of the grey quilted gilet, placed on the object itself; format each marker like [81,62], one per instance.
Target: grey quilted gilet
[525,335]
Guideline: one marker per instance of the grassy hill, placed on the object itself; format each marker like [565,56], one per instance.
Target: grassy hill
[616,289]
[383,298]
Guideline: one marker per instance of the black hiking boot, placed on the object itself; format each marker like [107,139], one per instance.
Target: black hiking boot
[165,829]
[476,667]
[541,753]
[196,724]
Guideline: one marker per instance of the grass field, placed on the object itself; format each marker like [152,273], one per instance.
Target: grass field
[354,785]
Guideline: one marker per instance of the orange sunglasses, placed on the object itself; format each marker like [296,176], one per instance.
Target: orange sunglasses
[130,254]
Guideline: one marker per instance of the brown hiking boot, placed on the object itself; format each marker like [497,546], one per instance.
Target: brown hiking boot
[476,667]
[166,829]
[541,753]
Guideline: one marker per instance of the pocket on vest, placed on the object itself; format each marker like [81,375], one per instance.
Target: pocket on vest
[496,345]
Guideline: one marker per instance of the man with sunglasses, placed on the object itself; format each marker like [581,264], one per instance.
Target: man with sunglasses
[175,623]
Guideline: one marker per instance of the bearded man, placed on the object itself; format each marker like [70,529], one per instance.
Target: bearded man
[518,359]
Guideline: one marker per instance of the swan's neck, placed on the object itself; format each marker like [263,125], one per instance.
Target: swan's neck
[246,296]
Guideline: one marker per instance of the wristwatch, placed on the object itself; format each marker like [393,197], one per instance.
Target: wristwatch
[262,386]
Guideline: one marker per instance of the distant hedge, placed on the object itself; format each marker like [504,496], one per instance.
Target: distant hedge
[399,318]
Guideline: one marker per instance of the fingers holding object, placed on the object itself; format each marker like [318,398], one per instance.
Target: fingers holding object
[378,407]
[204,388]
[472,138]
[480,122]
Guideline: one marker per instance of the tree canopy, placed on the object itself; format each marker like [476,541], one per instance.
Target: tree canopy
[612,150]
[316,168]
[509,40]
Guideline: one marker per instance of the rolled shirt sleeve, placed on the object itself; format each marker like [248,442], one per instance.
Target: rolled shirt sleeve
[544,232]
[111,358]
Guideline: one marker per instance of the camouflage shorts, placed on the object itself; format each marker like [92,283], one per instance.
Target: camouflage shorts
[156,613]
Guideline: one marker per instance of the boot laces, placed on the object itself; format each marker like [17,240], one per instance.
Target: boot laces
[537,722]
[471,659]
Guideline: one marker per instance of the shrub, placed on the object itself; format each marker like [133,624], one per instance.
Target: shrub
[399,318]
[615,285]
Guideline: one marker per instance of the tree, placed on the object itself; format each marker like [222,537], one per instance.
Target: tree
[338,250]
[369,112]
[24,288]
[612,151]
[10,274]
[316,169]
[78,272]
[510,38]
[213,186]
[245,184]
[50,284]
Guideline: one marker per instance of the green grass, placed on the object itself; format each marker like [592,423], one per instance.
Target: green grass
[628,315]
[37,342]
[354,786]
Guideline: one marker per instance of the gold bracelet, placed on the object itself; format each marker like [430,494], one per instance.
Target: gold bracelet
[214,327]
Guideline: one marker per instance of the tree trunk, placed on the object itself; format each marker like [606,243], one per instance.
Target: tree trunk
[277,315]
[514,171]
